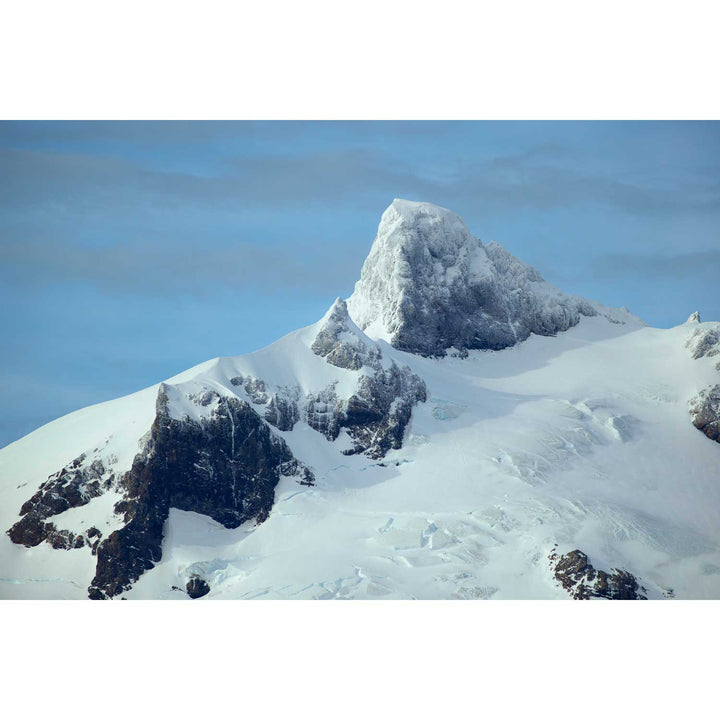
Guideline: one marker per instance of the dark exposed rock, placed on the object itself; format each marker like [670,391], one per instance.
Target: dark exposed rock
[582,581]
[323,412]
[254,387]
[295,467]
[378,413]
[75,485]
[65,540]
[705,412]
[281,407]
[282,412]
[196,587]
[225,466]
[375,415]
[256,390]
[30,531]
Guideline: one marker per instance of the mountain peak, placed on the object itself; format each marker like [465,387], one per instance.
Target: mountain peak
[341,342]
[416,212]
[428,285]
[414,226]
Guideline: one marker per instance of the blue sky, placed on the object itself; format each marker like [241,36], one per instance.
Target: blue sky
[131,250]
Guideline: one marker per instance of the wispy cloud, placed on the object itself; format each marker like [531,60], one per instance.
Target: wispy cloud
[194,269]
[119,225]
[545,177]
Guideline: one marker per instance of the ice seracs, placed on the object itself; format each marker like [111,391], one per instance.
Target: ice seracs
[428,285]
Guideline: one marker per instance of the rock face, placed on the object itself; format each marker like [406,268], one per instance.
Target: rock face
[374,415]
[705,412]
[428,285]
[582,581]
[225,465]
[341,343]
[705,406]
[704,342]
[75,485]
[196,588]
[377,413]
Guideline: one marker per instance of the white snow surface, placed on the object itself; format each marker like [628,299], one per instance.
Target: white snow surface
[582,440]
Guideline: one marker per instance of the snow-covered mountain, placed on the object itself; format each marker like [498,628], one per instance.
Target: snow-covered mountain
[458,429]
[429,285]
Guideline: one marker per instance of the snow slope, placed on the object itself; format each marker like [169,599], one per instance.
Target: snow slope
[577,440]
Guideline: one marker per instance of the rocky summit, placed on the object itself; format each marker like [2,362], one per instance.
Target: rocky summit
[428,285]
[456,428]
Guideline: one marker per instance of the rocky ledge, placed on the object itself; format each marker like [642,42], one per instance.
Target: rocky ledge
[583,582]
[705,412]
[75,485]
[704,342]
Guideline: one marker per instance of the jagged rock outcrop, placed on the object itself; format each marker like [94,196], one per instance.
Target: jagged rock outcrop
[76,484]
[704,342]
[282,410]
[323,411]
[281,407]
[582,581]
[196,587]
[225,465]
[341,342]
[429,285]
[705,412]
[376,414]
